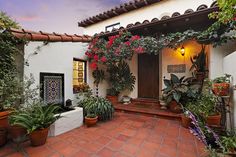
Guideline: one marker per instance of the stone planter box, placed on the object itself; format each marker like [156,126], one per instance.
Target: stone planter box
[69,121]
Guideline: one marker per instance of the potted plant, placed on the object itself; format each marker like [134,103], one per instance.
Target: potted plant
[174,90]
[98,105]
[205,106]
[82,91]
[220,85]
[16,131]
[199,64]
[3,136]
[229,143]
[112,95]
[120,78]
[185,120]
[36,119]
[91,119]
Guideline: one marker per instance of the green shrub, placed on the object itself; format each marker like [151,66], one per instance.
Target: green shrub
[99,106]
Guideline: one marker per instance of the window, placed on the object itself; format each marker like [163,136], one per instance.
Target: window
[79,73]
[111,27]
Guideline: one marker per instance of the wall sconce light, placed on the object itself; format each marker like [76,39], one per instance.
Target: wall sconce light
[182,51]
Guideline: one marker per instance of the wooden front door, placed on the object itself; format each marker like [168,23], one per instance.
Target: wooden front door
[148,76]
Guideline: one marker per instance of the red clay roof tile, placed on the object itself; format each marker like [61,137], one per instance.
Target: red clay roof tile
[50,37]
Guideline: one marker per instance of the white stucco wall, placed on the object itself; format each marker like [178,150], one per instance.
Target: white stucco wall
[217,55]
[54,58]
[228,67]
[157,10]
[173,57]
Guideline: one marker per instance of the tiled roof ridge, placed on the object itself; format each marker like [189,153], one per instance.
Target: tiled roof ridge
[116,11]
[50,37]
[131,26]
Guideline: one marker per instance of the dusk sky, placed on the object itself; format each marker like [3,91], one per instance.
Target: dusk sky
[59,16]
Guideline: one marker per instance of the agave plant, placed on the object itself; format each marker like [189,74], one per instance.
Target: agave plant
[36,117]
[99,106]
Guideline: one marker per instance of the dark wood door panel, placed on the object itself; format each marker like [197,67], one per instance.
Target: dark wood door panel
[148,76]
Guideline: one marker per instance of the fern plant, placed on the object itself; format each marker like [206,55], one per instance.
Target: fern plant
[36,117]
[98,106]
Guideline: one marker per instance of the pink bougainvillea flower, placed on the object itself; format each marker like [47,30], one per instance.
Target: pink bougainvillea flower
[117,51]
[95,57]
[136,37]
[93,65]
[139,49]
[103,59]
[88,54]
[127,43]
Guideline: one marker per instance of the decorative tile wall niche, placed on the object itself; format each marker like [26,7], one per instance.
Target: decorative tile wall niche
[52,88]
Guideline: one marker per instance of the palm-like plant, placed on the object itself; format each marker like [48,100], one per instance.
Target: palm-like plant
[121,77]
[36,117]
[99,106]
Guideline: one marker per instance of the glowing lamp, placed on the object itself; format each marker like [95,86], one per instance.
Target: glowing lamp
[182,51]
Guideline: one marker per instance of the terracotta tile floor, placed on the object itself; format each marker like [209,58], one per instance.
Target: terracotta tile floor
[127,135]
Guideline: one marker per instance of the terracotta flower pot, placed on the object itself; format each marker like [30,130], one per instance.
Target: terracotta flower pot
[38,137]
[4,119]
[3,136]
[175,107]
[91,121]
[213,120]
[17,132]
[112,99]
[186,121]
[221,89]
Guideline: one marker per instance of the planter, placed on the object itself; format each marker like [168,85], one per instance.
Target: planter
[186,121]
[221,89]
[39,137]
[4,119]
[17,132]
[91,121]
[112,99]
[68,121]
[175,107]
[3,136]
[213,120]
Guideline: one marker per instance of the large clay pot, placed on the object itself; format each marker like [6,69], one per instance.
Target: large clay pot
[38,137]
[3,136]
[91,121]
[221,89]
[186,121]
[112,99]
[213,120]
[4,119]
[175,107]
[16,132]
